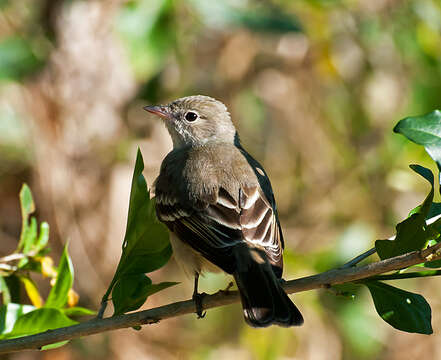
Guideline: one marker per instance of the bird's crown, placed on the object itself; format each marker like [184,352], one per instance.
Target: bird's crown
[196,120]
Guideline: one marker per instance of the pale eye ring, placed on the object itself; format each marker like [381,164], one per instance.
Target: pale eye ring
[191,116]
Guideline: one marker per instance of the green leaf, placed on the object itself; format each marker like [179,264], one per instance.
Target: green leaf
[154,288]
[27,208]
[433,264]
[39,320]
[32,291]
[17,59]
[412,233]
[14,286]
[26,201]
[435,210]
[43,238]
[54,345]
[29,242]
[401,309]
[425,173]
[131,292]
[58,295]
[29,238]
[4,290]
[144,260]
[31,264]
[10,313]
[78,311]
[146,246]
[424,130]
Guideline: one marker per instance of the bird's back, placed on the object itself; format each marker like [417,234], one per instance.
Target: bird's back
[215,166]
[213,200]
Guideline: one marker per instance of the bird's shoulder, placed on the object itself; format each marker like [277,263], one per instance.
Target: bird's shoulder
[198,173]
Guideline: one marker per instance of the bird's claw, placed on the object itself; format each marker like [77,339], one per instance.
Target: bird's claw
[197,298]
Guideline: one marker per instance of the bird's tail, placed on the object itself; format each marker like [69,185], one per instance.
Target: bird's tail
[264,301]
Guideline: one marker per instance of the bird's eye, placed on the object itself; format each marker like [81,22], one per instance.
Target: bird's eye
[191,116]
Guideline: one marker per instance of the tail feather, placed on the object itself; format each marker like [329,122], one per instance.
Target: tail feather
[264,301]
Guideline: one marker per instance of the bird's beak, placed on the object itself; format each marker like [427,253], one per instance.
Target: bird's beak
[161,111]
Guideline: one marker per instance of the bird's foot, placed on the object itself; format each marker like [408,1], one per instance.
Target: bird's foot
[197,298]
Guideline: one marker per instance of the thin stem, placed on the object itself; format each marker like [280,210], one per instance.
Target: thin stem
[102,309]
[12,257]
[8,268]
[409,275]
[359,258]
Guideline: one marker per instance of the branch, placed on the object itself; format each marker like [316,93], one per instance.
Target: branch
[151,316]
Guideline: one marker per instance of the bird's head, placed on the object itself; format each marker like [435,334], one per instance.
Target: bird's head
[196,120]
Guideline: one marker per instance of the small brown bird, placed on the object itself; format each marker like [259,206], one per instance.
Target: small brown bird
[218,203]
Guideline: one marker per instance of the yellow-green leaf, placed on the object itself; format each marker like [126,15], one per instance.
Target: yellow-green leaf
[32,291]
[58,295]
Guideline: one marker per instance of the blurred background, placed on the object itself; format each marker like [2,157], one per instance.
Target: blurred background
[314,88]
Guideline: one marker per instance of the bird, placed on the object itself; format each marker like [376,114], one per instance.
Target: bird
[218,204]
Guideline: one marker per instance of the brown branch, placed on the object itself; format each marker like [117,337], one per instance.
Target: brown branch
[323,280]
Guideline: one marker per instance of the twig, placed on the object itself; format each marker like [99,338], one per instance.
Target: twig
[102,309]
[8,268]
[323,280]
[408,275]
[359,258]
[12,257]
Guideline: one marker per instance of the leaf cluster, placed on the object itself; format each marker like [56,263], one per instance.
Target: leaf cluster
[402,309]
[17,271]
[146,248]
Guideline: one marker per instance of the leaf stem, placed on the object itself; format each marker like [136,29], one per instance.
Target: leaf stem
[12,257]
[358,258]
[409,275]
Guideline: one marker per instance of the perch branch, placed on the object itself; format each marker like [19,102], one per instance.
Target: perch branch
[151,316]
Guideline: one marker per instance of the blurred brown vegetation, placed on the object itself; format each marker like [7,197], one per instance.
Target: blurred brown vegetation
[314,88]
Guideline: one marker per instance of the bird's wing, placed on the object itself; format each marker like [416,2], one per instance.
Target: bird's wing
[224,222]
[259,223]
[265,186]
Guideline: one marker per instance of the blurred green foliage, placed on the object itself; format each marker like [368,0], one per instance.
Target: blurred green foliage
[17,59]
[147,29]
